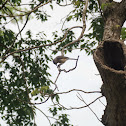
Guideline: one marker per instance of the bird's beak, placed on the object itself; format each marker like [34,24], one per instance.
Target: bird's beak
[56,64]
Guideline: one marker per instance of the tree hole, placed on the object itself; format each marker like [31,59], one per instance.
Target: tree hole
[113,55]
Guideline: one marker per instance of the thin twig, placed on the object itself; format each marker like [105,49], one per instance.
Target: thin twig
[16,8]
[15,21]
[7,23]
[102,102]
[4,4]
[71,108]
[5,56]
[87,92]
[88,107]
[50,95]
[85,105]
[44,115]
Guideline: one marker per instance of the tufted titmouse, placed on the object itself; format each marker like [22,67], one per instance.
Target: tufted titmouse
[61,59]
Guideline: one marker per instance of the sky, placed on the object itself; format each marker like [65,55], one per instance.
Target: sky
[84,77]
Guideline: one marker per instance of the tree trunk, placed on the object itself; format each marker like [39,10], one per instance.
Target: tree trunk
[110,59]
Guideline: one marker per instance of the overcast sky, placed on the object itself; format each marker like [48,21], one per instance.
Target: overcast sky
[83,77]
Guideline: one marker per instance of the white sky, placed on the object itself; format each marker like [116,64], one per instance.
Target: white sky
[83,77]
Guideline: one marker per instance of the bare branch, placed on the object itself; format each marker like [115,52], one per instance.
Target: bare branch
[5,23]
[71,108]
[44,115]
[80,97]
[83,29]
[79,91]
[50,95]
[102,103]
[56,87]
[85,105]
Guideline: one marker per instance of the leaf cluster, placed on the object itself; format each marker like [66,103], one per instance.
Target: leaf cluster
[27,72]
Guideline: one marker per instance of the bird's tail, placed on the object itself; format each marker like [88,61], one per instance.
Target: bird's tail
[72,59]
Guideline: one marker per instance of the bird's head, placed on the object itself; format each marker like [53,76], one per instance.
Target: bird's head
[55,62]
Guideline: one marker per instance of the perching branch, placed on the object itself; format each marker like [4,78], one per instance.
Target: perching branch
[66,71]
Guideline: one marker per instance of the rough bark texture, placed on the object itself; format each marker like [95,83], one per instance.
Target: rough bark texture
[110,59]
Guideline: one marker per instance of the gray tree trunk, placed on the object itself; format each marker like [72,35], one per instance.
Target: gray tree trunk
[110,59]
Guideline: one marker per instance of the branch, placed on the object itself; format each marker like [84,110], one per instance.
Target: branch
[79,91]
[4,57]
[44,115]
[7,22]
[29,12]
[85,105]
[50,95]
[71,108]
[23,50]
[83,29]
[15,21]
[56,87]
[123,4]
[102,103]
[88,107]
[66,71]
[13,6]
[4,4]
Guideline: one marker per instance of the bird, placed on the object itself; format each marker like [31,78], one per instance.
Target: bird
[61,59]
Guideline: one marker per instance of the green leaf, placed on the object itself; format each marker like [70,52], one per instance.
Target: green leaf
[69,18]
[123,33]
[51,6]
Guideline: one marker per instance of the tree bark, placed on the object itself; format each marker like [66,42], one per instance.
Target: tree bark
[110,59]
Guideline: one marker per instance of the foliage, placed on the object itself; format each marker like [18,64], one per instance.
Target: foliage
[62,121]
[123,33]
[24,75]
